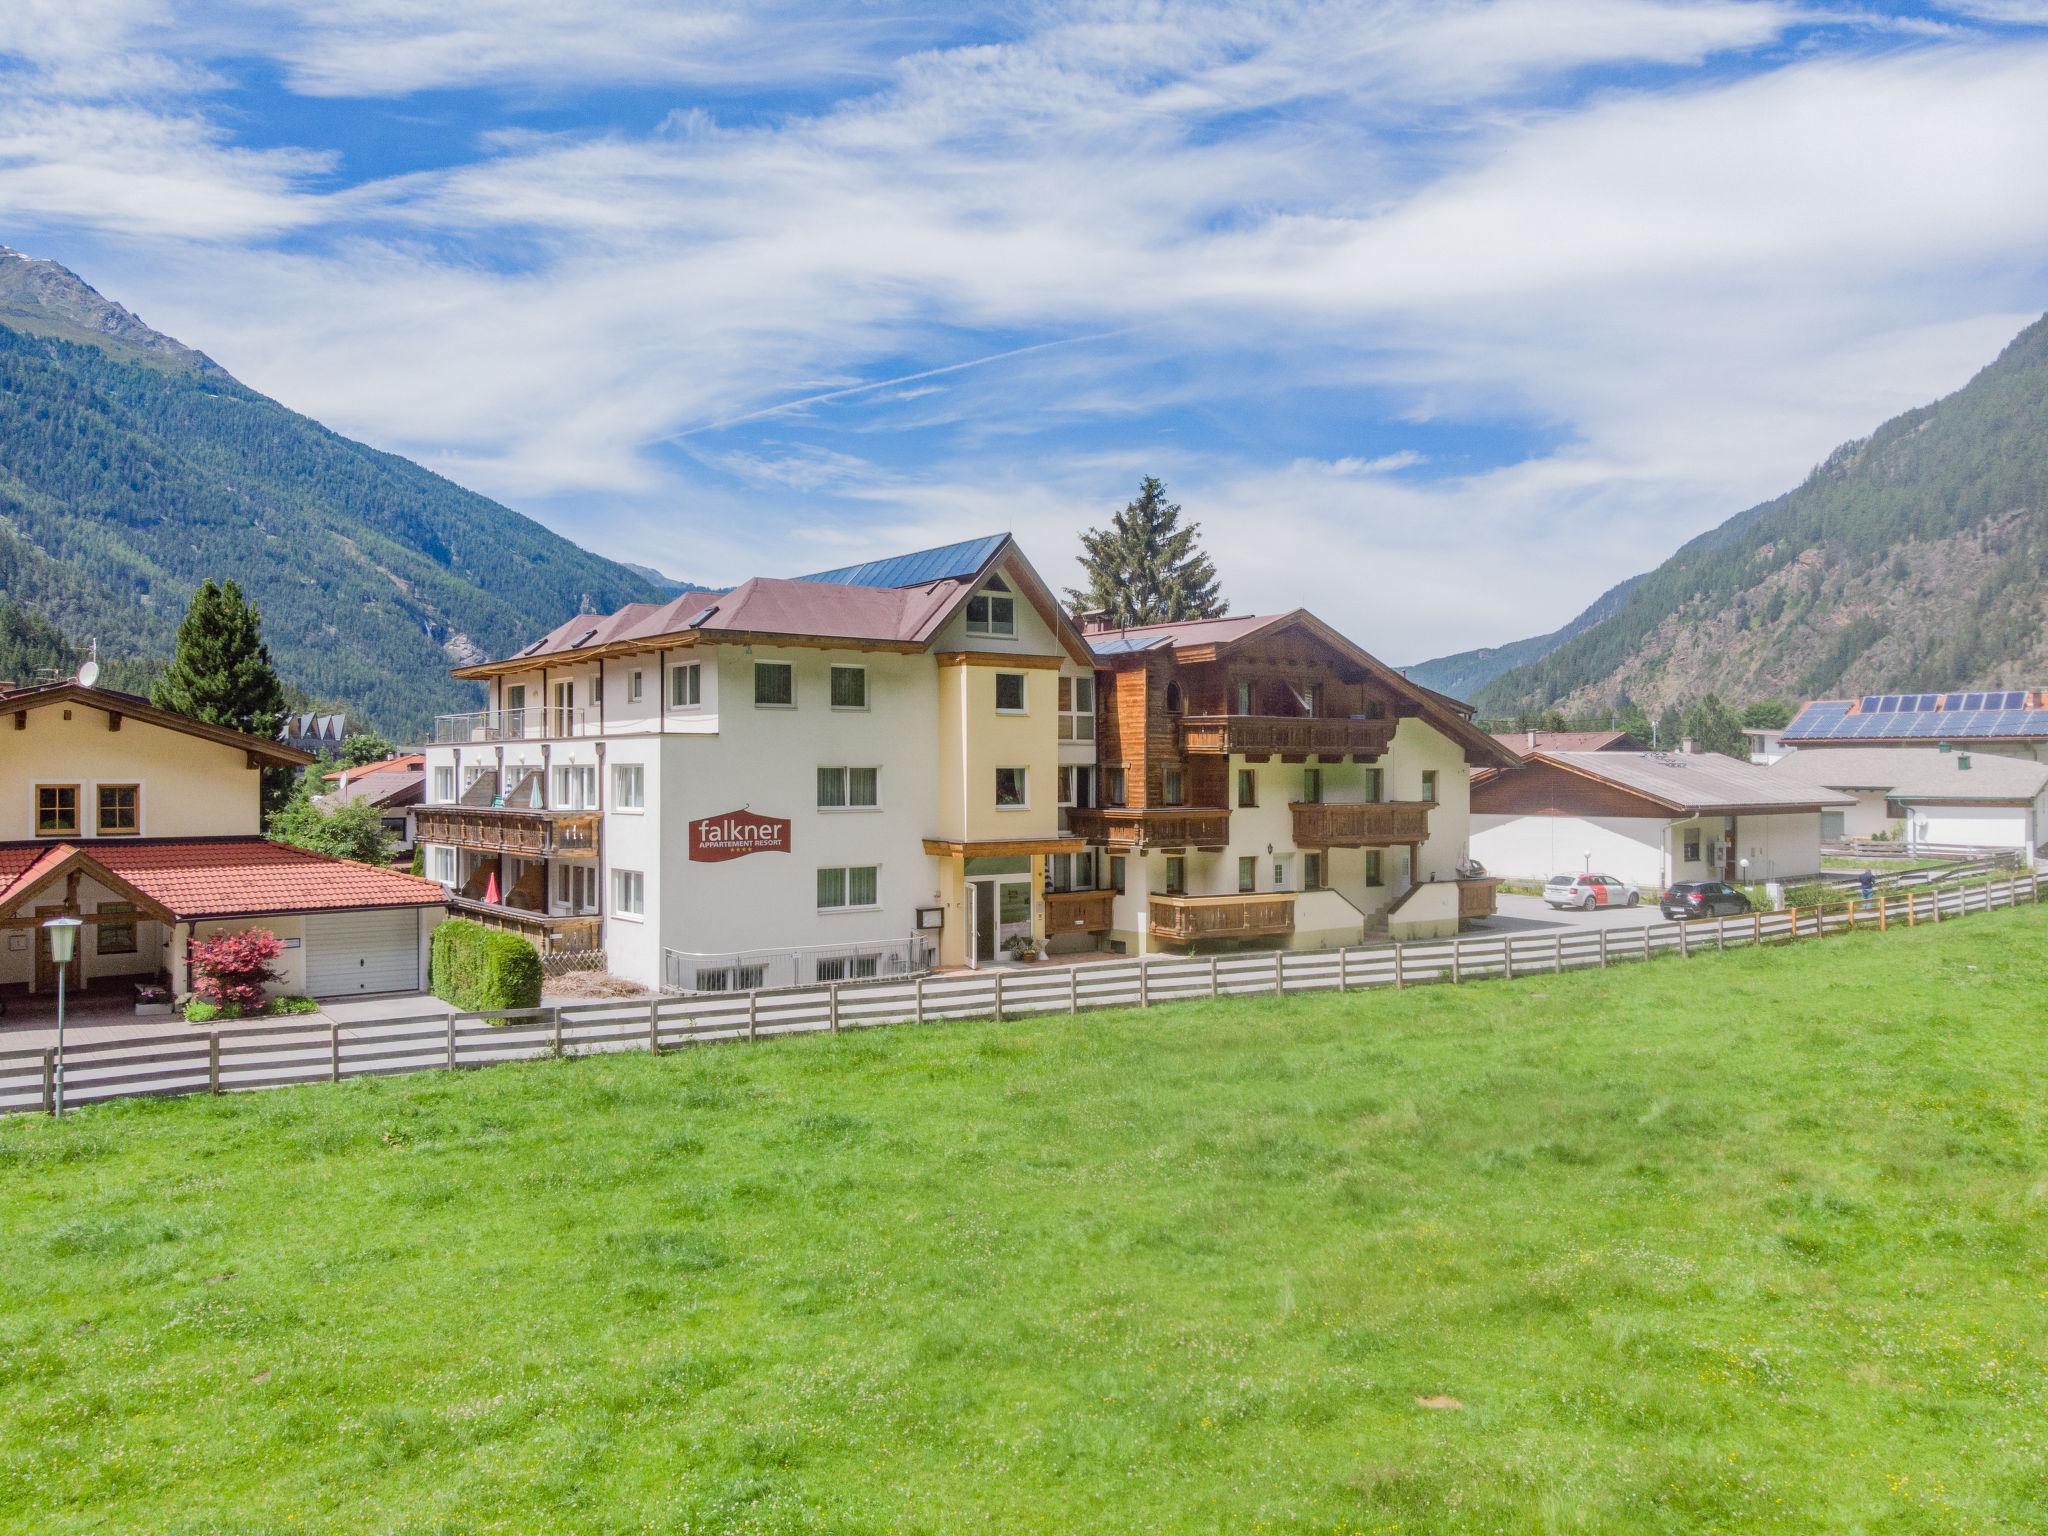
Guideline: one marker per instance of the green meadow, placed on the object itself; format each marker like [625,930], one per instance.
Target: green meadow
[1749,1242]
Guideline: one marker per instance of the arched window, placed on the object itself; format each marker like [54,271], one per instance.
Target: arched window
[1173,699]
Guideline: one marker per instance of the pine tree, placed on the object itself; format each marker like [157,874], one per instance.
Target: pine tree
[1145,568]
[221,673]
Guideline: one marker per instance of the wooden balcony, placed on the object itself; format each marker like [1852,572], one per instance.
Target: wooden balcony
[1077,912]
[503,829]
[1378,825]
[1476,899]
[1164,826]
[1191,919]
[549,935]
[1290,736]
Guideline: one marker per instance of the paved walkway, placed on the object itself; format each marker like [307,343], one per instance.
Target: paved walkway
[34,1024]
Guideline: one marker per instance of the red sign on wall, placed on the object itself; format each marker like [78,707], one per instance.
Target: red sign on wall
[735,835]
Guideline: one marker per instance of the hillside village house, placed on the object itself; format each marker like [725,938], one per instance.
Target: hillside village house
[1925,797]
[923,760]
[395,786]
[2010,722]
[147,825]
[1651,818]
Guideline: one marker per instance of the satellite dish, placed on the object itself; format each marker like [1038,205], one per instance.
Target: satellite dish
[88,674]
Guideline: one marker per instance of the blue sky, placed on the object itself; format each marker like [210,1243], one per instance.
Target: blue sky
[1440,318]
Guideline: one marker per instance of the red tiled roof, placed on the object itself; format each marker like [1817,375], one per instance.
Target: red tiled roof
[1562,741]
[226,877]
[389,765]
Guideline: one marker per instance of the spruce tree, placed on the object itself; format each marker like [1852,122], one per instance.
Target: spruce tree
[1145,568]
[221,673]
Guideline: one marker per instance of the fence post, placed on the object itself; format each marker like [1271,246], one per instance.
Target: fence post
[999,1000]
[1756,928]
[1934,904]
[654,1025]
[1721,933]
[1603,949]
[334,1053]
[1684,941]
[1279,972]
[1073,989]
[213,1061]
[1215,986]
[1400,980]
[832,1001]
[2036,877]
[451,1041]
[1557,954]
[49,1082]
[1343,967]
[1883,915]
[1144,985]
[1457,961]
[754,1009]
[1507,958]
[555,1029]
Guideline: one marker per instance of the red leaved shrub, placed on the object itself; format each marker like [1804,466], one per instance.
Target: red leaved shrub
[230,971]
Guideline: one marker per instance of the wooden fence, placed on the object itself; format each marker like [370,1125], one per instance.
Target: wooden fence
[278,1055]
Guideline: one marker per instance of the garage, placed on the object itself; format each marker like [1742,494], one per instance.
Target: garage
[351,954]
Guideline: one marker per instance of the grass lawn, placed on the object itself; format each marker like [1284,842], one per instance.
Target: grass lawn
[1754,1242]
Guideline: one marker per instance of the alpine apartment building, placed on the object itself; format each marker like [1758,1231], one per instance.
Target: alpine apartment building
[925,760]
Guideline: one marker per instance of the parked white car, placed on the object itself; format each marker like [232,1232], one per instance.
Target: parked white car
[1589,892]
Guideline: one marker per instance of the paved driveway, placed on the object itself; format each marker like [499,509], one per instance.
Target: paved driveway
[1531,914]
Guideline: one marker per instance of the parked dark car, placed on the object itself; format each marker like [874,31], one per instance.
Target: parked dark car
[1703,898]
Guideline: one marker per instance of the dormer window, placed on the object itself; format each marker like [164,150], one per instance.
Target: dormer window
[992,611]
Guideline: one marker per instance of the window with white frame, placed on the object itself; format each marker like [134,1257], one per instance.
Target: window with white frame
[629,787]
[1077,708]
[575,787]
[1070,872]
[843,889]
[991,613]
[849,789]
[1010,693]
[444,785]
[636,684]
[629,893]
[686,685]
[441,865]
[743,978]
[774,685]
[1012,789]
[849,687]
[575,887]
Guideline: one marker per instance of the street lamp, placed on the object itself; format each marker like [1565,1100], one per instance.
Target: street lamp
[1588,856]
[63,932]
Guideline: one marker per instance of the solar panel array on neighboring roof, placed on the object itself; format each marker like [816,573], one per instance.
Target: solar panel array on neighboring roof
[949,562]
[1123,645]
[1919,717]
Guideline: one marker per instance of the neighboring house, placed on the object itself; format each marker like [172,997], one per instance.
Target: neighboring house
[1652,818]
[312,733]
[147,824]
[903,762]
[1765,743]
[1927,796]
[1522,743]
[2010,722]
[395,786]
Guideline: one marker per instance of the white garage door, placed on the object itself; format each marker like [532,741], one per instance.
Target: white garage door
[356,952]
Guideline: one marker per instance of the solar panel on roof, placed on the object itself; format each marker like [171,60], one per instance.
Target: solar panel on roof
[1869,702]
[948,562]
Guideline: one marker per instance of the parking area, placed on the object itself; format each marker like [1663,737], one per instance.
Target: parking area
[1531,914]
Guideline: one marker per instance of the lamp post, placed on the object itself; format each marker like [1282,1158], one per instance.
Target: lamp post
[63,932]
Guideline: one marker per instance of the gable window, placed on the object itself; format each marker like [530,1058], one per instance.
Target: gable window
[1429,784]
[848,789]
[1010,693]
[116,938]
[1077,709]
[1011,787]
[636,682]
[1247,786]
[686,685]
[1311,786]
[120,810]
[56,810]
[629,893]
[849,687]
[991,613]
[629,787]
[774,685]
[844,889]
[1247,874]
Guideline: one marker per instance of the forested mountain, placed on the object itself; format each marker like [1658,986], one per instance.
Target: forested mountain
[1911,559]
[132,468]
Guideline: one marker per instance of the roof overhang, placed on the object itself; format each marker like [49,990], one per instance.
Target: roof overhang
[1001,847]
[74,862]
[1826,801]
[119,707]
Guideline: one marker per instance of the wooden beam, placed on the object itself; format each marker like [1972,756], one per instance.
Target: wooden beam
[1002,659]
[113,719]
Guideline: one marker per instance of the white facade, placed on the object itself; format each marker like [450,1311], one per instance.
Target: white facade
[1651,852]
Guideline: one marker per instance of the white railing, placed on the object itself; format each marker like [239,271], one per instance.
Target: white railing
[753,969]
[534,723]
[267,1055]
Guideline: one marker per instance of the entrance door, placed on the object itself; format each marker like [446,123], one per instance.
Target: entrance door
[46,968]
[983,908]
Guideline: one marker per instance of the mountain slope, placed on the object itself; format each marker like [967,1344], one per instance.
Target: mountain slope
[1462,675]
[132,468]
[1911,559]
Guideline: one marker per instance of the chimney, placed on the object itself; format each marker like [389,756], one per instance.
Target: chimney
[1963,760]
[1688,745]
[1532,741]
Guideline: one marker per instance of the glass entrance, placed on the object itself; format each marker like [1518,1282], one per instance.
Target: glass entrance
[1000,910]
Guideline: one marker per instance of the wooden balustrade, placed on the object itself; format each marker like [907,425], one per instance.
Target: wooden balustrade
[550,934]
[1077,912]
[503,829]
[1188,919]
[1476,898]
[1264,736]
[1361,825]
[1166,826]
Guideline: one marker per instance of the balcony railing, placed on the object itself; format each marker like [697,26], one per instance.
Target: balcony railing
[1286,736]
[1077,911]
[1361,826]
[550,934]
[1189,919]
[1164,826]
[534,724]
[504,829]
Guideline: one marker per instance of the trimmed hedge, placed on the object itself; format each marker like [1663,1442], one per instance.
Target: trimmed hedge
[476,968]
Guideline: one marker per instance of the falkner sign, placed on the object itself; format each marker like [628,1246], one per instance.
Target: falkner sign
[735,835]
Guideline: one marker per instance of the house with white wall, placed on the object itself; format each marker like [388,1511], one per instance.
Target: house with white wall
[1928,797]
[147,826]
[1651,818]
